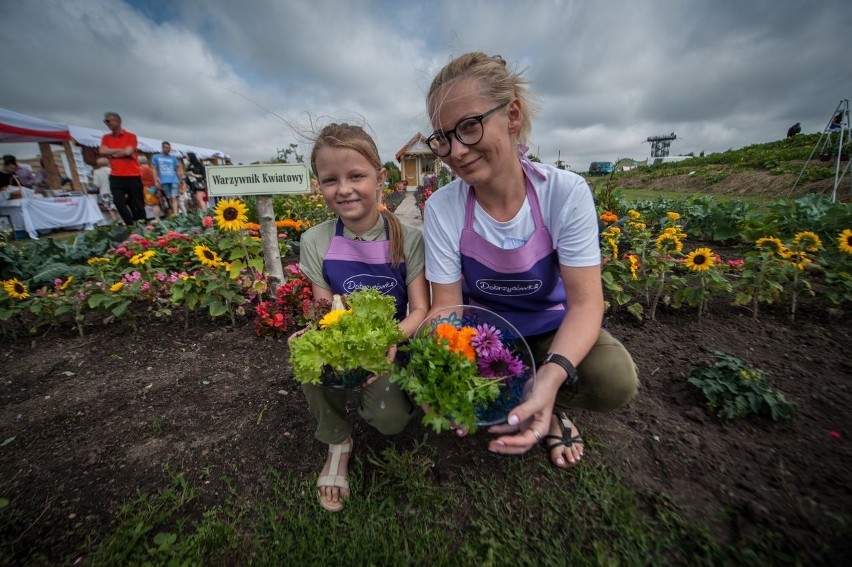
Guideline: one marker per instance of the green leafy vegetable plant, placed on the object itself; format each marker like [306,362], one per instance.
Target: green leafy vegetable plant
[734,390]
[348,339]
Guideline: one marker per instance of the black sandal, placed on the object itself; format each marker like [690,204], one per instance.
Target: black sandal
[559,440]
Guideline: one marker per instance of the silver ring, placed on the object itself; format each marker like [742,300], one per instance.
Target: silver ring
[537,435]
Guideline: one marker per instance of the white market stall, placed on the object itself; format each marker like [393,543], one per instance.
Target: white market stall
[30,212]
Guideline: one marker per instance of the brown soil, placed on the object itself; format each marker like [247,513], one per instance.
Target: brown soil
[95,420]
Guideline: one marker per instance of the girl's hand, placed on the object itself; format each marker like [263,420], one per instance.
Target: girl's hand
[391,357]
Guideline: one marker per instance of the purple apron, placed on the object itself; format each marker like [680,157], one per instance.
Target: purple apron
[350,265]
[523,285]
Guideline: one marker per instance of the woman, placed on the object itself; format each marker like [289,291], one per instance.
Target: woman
[521,239]
[196,173]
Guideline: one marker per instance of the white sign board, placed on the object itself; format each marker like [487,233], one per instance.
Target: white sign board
[261,179]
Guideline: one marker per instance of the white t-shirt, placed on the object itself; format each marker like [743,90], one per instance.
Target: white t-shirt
[567,206]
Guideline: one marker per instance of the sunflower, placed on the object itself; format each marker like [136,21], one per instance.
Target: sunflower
[66,283]
[116,286]
[97,260]
[231,214]
[844,241]
[140,259]
[673,215]
[770,243]
[16,289]
[807,240]
[207,256]
[700,260]
[799,258]
[668,236]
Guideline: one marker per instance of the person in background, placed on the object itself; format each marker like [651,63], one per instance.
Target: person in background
[100,179]
[507,220]
[197,175]
[15,173]
[119,146]
[360,243]
[168,175]
[41,182]
[149,186]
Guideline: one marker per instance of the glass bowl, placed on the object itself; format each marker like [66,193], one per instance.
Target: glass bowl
[515,386]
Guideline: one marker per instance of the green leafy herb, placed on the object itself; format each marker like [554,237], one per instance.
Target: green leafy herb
[447,383]
[359,339]
[734,390]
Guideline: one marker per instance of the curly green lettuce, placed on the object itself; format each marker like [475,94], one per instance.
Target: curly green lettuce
[360,339]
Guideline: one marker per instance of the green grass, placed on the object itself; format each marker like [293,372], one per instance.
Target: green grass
[516,512]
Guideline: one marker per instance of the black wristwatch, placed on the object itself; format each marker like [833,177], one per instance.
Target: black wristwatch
[566,365]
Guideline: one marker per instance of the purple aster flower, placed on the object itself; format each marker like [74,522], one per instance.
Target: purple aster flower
[487,339]
[500,362]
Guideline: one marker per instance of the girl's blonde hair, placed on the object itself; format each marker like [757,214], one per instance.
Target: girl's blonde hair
[355,138]
[497,83]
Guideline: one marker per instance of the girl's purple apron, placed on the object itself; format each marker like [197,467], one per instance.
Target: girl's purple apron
[350,265]
[523,285]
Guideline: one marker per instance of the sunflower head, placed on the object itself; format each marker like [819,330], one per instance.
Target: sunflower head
[207,256]
[66,283]
[231,214]
[700,260]
[807,240]
[844,241]
[770,243]
[799,258]
[16,289]
[116,286]
[140,259]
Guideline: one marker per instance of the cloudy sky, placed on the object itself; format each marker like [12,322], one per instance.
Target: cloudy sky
[236,75]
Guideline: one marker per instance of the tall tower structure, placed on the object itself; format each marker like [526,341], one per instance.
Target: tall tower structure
[660,144]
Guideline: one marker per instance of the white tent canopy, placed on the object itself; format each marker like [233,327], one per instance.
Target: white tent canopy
[17,127]
[91,137]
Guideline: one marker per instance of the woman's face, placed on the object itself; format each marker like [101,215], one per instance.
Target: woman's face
[483,162]
[350,185]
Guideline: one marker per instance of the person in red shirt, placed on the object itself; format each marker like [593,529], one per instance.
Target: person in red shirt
[124,180]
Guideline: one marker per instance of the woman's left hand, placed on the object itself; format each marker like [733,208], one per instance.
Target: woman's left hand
[529,422]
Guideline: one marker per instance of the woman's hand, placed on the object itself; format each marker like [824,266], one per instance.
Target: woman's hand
[391,357]
[530,421]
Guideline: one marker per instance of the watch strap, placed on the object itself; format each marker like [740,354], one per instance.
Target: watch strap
[566,365]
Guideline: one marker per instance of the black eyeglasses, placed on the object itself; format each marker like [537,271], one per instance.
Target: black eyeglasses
[468,131]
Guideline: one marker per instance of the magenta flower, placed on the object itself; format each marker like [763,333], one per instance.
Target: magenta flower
[499,362]
[487,339]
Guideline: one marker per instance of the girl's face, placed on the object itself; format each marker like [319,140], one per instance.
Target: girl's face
[350,185]
[488,160]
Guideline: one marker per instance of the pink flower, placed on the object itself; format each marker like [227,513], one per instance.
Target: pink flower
[834,435]
[486,340]
[207,222]
[500,362]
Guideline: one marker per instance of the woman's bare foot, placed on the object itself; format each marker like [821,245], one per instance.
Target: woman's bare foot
[563,442]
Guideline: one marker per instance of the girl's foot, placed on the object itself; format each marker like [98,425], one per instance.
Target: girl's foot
[333,482]
[564,442]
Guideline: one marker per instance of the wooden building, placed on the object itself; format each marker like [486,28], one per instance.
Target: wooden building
[417,162]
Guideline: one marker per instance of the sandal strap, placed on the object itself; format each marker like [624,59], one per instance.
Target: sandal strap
[558,440]
[337,480]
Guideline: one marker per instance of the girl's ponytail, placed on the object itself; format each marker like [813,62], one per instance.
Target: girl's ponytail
[395,238]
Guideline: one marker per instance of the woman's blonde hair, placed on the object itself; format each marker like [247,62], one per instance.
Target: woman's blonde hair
[497,83]
[355,138]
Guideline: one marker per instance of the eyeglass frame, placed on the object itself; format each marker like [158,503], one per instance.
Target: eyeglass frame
[455,134]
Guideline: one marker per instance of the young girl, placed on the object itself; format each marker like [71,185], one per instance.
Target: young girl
[361,242]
